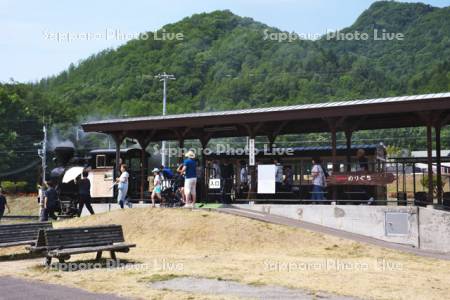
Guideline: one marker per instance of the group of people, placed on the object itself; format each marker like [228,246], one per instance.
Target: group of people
[49,200]
[185,173]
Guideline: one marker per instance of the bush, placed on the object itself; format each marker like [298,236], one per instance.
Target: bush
[14,187]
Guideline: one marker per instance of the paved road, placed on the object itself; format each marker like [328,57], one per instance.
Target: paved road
[19,289]
[331,231]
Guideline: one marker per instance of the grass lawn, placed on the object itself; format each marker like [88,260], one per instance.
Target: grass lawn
[181,242]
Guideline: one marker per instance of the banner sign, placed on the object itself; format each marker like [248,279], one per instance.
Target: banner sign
[251,152]
[361,179]
[214,183]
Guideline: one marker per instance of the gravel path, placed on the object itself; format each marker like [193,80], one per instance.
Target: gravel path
[19,289]
[232,288]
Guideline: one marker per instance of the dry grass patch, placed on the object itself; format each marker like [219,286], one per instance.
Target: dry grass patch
[178,242]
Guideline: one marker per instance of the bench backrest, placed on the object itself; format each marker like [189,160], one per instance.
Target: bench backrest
[21,232]
[75,237]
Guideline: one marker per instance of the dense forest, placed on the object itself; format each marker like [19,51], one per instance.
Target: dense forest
[225,61]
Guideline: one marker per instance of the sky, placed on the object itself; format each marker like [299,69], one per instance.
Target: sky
[29,49]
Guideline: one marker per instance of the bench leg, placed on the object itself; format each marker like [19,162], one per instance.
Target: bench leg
[99,255]
[47,261]
[62,259]
[113,255]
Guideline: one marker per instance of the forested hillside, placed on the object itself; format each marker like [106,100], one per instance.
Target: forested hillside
[224,62]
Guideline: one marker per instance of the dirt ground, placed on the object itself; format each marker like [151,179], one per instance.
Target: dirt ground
[179,242]
[23,205]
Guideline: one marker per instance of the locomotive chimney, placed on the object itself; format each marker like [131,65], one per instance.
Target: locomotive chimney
[63,154]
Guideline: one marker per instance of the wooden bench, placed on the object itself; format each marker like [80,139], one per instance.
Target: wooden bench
[63,242]
[21,234]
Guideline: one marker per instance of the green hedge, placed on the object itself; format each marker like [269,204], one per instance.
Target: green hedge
[14,187]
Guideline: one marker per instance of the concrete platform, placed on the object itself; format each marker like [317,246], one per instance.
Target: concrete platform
[419,227]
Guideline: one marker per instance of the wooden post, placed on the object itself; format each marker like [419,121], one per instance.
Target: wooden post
[437,130]
[430,162]
[271,139]
[204,184]
[118,139]
[348,139]
[180,148]
[144,139]
[332,124]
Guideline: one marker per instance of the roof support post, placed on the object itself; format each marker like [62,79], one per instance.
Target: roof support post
[118,139]
[348,139]
[271,139]
[430,160]
[333,124]
[180,149]
[437,130]
[203,184]
[143,141]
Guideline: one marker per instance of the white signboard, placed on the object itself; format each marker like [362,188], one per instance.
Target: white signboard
[101,183]
[214,183]
[251,152]
[266,179]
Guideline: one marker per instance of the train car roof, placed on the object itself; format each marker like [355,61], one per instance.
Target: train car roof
[113,151]
[313,150]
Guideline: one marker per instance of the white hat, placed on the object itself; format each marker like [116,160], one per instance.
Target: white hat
[190,154]
[155,170]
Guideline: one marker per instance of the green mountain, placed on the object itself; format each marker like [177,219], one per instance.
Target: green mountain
[225,61]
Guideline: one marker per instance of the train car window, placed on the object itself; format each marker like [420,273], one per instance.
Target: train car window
[100,161]
[135,164]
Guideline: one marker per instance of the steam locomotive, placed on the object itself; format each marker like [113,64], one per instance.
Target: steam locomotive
[100,165]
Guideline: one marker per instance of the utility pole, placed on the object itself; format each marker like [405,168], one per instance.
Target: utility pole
[43,155]
[164,77]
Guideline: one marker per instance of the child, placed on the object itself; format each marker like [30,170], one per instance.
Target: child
[3,204]
[157,186]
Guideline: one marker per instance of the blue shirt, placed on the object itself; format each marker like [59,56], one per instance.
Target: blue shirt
[190,168]
[52,197]
[167,172]
[2,202]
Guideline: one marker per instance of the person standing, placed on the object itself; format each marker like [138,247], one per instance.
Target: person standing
[278,176]
[122,185]
[227,171]
[50,201]
[157,183]
[84,191]
[362,160]
[3,204]
[319,180]
[288,178]
[243,179]
[190,182]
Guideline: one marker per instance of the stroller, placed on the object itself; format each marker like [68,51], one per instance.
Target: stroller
[171,192]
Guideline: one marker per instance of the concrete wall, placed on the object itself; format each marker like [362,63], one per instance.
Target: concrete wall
[361,219]
[434,229]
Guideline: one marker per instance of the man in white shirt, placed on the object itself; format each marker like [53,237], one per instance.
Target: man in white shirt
[319,180]
[278,175]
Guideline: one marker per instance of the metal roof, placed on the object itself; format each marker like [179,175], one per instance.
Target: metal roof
[410,99]
[379,113]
